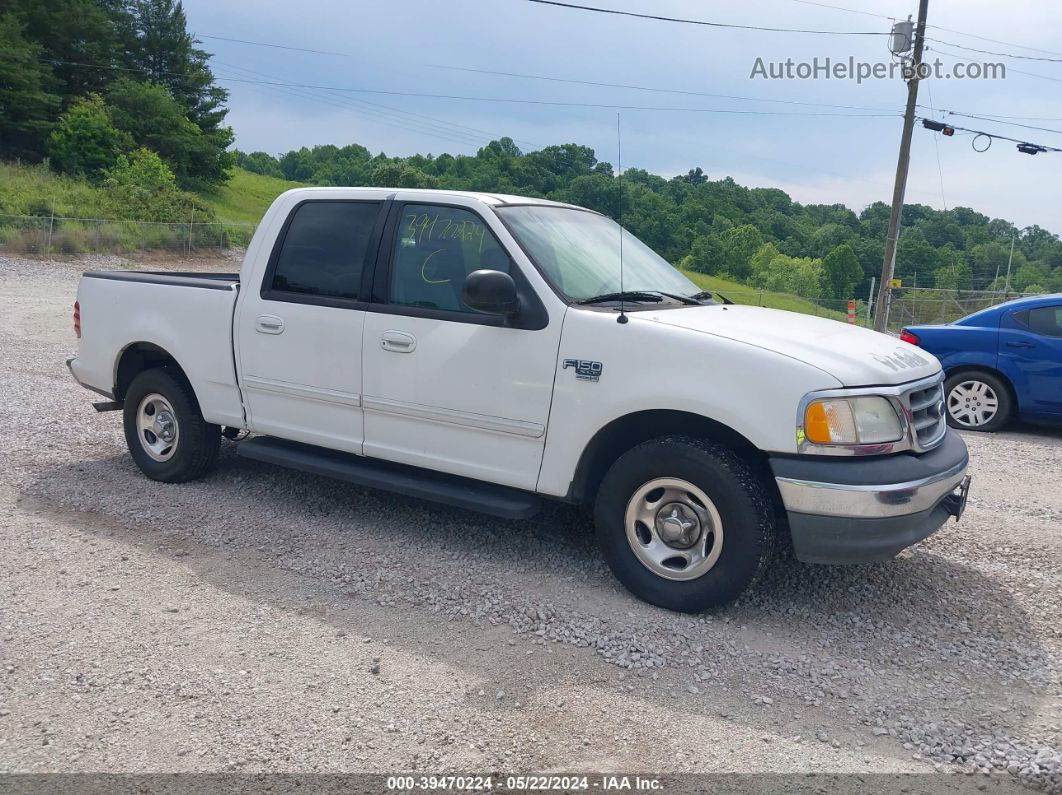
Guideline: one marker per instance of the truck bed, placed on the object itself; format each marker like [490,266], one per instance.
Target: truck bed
[125,311]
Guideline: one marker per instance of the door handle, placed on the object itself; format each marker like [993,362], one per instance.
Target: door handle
[1019,344]
[269,324]
[398,342]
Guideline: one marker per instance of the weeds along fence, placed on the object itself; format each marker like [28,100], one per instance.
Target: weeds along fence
[835,309]
[915,306]
[46,234]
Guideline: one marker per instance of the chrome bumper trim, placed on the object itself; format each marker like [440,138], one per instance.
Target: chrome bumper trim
[873,501]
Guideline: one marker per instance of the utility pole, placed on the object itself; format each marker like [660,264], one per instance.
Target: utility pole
[881,310]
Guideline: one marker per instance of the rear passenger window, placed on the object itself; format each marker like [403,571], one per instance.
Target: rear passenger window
[325,249]
[436,248]
[1046,320]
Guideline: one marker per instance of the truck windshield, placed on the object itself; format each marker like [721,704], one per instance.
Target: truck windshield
[579,252]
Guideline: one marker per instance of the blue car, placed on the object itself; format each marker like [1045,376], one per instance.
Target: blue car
[1001,363]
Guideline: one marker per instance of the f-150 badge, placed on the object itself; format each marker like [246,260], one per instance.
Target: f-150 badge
[585,370]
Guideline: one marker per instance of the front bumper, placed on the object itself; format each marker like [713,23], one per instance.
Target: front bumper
[851,510]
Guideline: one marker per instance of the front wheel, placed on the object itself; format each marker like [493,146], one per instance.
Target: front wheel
[167,436]
[684,523]
[977,401]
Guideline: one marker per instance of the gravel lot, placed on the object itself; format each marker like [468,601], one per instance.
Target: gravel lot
[262,620]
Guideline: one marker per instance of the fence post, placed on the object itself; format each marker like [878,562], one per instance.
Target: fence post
[99,223]
[191,221]
[761,296]
[221,239]
[51,225]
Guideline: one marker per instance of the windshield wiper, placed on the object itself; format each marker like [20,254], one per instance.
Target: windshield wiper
[628,295]
[641,295]
[689,300]
[709,293]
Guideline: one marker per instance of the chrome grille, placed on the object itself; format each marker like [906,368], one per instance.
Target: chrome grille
[926,414]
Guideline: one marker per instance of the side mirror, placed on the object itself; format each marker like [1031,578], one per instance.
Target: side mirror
[492,292]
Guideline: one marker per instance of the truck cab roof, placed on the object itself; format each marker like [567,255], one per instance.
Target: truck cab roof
[413,194]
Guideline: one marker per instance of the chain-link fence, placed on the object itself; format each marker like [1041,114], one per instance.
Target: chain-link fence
[915,306]
[46,234]
[835,309]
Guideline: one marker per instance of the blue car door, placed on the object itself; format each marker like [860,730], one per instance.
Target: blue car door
[1030,354]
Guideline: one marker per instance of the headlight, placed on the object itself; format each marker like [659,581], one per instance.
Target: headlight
[852,420]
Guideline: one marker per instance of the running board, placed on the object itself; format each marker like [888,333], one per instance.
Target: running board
[472,495]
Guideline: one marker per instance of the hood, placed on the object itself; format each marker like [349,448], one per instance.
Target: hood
[853,355]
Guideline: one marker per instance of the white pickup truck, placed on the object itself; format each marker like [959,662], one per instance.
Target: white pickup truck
[490,351]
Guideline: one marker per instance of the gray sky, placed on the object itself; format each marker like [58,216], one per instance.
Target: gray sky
[405,45]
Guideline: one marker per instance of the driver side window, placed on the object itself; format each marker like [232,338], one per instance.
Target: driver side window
[435,249]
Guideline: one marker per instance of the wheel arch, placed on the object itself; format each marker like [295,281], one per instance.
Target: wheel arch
[138,357]
[623,433]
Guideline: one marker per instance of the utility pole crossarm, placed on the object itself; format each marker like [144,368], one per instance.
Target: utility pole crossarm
[881,309]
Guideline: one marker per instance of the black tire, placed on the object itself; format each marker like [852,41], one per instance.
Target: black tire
[738,496]
[994,385]
[194,451]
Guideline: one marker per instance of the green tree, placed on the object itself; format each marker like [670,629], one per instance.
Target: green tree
[148,113]
[841,272]
[142,187]
[259,163]
[164,52]
[773,270]
[28,104]
[739,244]
[141,169]
[706,255]
[402,175]
[78,38]
[86,141]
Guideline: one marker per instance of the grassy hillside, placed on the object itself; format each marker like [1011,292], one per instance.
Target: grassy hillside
[245,197]
[744,294]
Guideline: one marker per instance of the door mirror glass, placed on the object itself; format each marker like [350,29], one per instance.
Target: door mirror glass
[490,291]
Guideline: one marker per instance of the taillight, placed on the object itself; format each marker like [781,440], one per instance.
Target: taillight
[907,336]
[77,319]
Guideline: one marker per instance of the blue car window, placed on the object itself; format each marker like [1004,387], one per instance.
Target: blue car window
[1046,320]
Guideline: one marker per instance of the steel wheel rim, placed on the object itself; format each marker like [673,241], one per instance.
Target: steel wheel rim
[156,427]
[973,403]
[674,529]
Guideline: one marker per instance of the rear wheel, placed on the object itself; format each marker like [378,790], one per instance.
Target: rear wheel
[977,401]
[684,523]
[165,432]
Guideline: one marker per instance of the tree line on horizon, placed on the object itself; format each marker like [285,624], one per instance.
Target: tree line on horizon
[715,226]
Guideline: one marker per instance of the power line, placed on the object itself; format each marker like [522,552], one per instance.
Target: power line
[994,136]
[936,147]
[379,116]
[962,59]
[994,41]
[1001,54]
[705,23]
[654,89]
[274,46]
[573,81]
[999,121]
[417,118]
[842,8]
[461,97]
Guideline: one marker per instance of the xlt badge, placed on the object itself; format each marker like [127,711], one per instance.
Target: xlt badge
[585,370]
